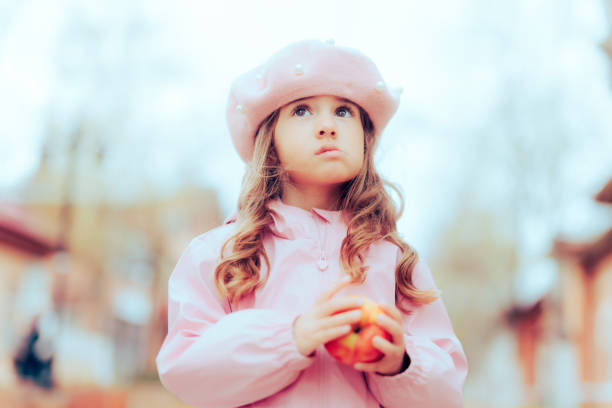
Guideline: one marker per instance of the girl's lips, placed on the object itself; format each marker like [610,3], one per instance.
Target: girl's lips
[327,149]
[331,154]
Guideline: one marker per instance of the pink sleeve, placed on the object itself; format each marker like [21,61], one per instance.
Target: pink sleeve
[438,364]
[213,359]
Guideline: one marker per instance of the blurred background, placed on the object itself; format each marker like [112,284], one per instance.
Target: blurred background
[114,154]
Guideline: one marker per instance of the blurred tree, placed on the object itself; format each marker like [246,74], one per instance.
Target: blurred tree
[516,181]
[473,265]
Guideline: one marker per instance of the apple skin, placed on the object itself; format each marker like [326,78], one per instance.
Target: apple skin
[356,346]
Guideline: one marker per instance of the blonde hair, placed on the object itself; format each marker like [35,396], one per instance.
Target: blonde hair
[373,216]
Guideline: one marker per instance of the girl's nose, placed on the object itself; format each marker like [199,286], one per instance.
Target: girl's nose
[326,131]
[326,127]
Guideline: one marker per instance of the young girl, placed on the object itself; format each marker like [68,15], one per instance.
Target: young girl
[252,303]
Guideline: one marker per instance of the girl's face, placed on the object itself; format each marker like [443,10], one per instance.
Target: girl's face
[319,140]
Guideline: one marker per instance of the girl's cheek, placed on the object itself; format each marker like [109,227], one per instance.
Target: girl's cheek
[298,146]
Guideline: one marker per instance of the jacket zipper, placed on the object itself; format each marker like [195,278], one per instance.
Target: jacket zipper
[322,262]
[323,357]
[322,265]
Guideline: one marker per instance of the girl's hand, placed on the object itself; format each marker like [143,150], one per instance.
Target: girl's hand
[317,326]
[393,352]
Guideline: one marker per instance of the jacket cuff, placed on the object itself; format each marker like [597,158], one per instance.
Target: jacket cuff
[416,373]
[307,360]
[288,350]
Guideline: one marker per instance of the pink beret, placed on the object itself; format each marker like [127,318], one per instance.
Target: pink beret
[303,69]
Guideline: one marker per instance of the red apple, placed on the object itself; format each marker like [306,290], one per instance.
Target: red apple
[356,346]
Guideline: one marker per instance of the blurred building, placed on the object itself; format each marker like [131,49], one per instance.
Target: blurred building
[572,322]
[100,266]
[587,306]
[25,252]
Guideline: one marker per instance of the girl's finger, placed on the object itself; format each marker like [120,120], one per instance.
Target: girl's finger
[383,345]
[393,312]
[335,288]
[369,367]
[332,333]
[391,326]
[350,317]
[339,305]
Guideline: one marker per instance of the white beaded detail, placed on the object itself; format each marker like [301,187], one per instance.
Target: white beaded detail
[299,69]
[322,263]
[239,108]
[259,76]
[330,41]
[400,89]
[380,86]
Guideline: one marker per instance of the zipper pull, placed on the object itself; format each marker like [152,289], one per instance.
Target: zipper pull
[322,263]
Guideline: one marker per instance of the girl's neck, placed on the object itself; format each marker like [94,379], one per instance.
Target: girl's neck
[308,197]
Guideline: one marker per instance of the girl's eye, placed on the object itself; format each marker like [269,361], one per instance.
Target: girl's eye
[344,112]
[301,110]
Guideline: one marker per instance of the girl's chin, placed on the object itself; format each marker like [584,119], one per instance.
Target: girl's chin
[325,176]
[327,180]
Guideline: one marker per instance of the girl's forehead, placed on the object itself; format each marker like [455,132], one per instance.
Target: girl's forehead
[315,98]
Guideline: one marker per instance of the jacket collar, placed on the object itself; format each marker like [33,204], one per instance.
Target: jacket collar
[289,221]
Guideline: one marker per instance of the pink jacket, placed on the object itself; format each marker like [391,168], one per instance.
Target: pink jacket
[217,357]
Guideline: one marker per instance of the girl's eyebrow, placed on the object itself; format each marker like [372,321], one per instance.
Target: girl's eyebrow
[344,100]
[347,101]
[301,99]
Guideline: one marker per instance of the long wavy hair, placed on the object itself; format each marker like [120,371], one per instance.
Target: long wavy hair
[373,216]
